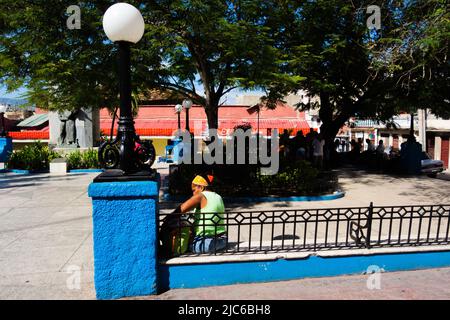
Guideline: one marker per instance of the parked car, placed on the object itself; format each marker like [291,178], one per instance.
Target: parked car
[431,167]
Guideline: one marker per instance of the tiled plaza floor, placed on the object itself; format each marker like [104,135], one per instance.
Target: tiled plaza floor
[46,227]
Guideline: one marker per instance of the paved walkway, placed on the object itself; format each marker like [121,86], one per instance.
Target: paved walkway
[45,231]
[361,188]
[46,226]
[431,284]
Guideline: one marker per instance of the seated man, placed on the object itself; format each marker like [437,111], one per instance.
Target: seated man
[210,231]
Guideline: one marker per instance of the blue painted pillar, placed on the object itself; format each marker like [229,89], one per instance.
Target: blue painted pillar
[6,147]
[125,238]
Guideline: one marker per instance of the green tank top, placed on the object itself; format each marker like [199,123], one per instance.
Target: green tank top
[209,220]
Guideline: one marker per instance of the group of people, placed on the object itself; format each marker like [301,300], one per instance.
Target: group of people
[310,147]
[313,148]
[409,154]
[357,146]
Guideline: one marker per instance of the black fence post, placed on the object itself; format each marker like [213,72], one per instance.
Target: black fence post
[369,225]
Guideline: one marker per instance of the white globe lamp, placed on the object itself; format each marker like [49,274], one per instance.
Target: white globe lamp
[123,22]
[187,103]
[178,108]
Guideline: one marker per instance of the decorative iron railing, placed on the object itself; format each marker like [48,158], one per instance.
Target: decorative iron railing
[267,231]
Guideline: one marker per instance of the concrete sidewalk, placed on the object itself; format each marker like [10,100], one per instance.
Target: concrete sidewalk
[46,237]
[46,226]
[360,189]
[431,284]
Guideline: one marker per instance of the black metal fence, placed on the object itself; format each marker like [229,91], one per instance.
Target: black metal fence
[299,230]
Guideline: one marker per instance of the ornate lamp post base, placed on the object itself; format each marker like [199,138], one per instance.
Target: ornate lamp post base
[112,175]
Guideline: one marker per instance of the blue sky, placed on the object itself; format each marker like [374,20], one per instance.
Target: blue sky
[230,97]
[13,95]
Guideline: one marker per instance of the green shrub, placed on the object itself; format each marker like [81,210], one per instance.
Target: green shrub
[90,159]
[297,178]
[35,157]
[83,160]
[74,160]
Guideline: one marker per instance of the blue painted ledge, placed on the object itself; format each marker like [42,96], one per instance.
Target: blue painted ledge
[336,195]
[133,189]
[16,171]
[174,276]
[85,170]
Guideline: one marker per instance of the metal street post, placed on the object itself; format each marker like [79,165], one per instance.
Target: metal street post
[126,128]
[256,108]
[2,116]
[187,104]
[124,25]
[178,109]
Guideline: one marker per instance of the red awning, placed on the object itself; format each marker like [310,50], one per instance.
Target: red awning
[29,135]
[167,127]
[161,120]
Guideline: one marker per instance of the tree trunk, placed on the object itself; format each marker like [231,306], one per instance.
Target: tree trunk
[212,114]
[331,125]
[329,130]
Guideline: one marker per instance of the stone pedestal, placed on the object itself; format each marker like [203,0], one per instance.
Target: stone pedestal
[87,125]
[58,166]
[125,238]
[6,148]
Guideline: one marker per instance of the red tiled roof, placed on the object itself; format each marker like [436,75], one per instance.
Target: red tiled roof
[282,111]
[161,120]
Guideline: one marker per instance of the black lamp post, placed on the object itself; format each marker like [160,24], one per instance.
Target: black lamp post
[126,129]
[124,25]
[411,125]
[178,109]
[187,104]
[256,108]
[2,116]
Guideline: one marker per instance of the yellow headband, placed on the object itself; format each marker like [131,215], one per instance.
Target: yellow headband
[200,181]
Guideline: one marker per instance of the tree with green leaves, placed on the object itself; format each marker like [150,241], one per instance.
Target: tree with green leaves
[416,53]
[358,71]
[62,68]
[215,46]
[188,46]
[322,47]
